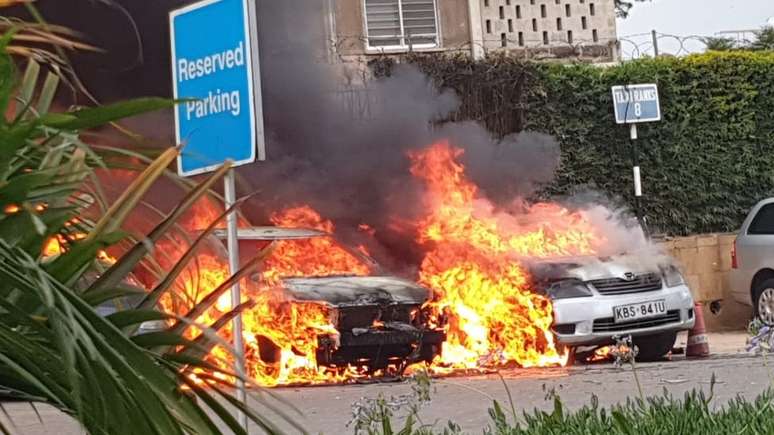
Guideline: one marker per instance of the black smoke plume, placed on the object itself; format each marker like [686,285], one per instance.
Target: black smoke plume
[348,161]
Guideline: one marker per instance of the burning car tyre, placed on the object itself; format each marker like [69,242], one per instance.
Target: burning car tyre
[654,347]
[764,302]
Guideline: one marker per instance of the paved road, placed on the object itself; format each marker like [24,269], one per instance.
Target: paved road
[466,399]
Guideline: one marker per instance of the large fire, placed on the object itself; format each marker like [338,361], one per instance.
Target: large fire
[280,336]
[471,262]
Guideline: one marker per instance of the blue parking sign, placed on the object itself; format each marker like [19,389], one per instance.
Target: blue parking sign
[636,103]
[212,68]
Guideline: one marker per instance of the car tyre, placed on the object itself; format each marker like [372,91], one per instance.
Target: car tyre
[654,347]
[764,301]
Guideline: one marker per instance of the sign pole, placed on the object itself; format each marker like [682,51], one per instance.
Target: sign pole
[236,298]
[633,104]
[222,117]
[637,177]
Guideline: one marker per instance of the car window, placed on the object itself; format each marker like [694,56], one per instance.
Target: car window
[763,223]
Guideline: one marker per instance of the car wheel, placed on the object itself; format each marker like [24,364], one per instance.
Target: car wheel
[654,347]
[764,301]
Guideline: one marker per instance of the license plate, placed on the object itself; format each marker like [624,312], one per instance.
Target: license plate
[642,310]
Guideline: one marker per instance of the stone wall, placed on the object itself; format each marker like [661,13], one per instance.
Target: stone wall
[705,261]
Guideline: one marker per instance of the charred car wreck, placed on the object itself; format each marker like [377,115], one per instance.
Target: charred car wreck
[380,321]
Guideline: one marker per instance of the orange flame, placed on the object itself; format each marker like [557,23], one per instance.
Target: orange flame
[281,336]
[602,354]
[472,264]
[320,256]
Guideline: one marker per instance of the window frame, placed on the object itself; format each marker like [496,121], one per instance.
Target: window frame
[755,219]
[402,37]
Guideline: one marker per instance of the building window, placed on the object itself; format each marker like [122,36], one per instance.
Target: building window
[502,13]
[595,35]
[521,39]
[592,9]
[582,1]
[567,10]
[584,23]
[558,24]
[534,24]
[518,11]
[510,25]
[543,11]
[486,3]
[569,36]
[508,2]
[558,2]
[545,38]
[503,40]
[401,23]
[488,26]
[532,2]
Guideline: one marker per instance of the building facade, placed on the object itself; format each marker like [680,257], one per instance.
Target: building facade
[395,26]
[561,27]
[535,28]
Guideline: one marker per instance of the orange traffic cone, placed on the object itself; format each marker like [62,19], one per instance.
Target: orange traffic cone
[698,343]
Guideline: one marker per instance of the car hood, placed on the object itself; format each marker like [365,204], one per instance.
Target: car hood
[590,268]
[355,290]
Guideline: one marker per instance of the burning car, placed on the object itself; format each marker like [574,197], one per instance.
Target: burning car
[376,321]
[596,299]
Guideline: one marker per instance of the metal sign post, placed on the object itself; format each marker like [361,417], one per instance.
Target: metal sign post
[215,68]
[232,244]
[634,104]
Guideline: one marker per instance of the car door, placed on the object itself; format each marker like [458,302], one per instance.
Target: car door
[755,246]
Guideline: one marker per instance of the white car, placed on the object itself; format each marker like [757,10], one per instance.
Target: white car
[752,261]
[596,299]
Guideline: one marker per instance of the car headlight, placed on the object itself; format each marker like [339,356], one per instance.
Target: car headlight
[673,277]
[568,288]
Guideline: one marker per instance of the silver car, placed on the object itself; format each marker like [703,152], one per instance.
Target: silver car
[596,299]
[752,261]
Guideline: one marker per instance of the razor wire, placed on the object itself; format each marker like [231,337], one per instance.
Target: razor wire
[627,47]
[356,97]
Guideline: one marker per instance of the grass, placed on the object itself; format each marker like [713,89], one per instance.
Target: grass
[691,414]
[694,413]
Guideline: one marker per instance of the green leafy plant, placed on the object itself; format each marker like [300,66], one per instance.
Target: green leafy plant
[764,39]
[719,43]
[693,414]
[54,346]
[375,416]
[703,166]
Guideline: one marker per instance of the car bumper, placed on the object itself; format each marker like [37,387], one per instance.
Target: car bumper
[589,321]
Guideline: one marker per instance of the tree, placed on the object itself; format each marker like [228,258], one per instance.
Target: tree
[622,7]
[764,40]
[719,43]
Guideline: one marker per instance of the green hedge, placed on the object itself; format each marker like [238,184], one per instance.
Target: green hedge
[704,165]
